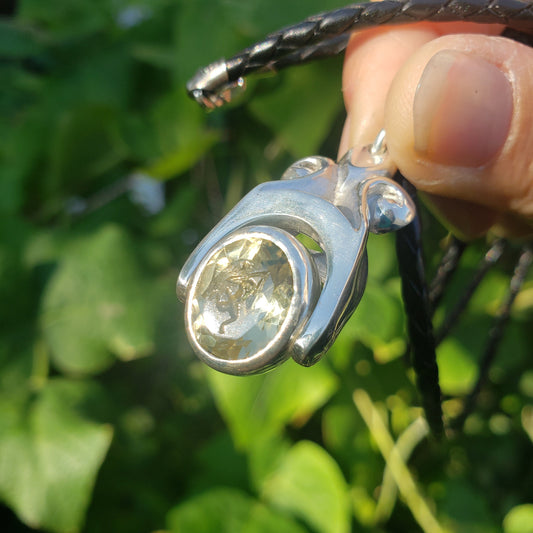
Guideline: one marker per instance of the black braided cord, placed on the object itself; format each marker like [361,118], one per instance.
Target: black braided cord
[418,315]
[445,271]
[514,14]
[327,33]
[444,274]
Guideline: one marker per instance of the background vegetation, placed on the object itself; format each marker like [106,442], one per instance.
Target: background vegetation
[109,176]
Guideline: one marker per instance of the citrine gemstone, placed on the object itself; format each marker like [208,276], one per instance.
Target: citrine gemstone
[241,298]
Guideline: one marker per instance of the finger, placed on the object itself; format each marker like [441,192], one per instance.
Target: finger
[372,59]
[458,122]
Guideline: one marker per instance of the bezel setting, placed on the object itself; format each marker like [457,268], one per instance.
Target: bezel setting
[305,292]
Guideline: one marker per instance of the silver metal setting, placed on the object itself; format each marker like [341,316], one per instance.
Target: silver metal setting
[336,205]
[306,288]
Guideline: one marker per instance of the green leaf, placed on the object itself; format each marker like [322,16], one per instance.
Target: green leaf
[211,471]
[519,519]
[340,426]
[66,19]
[177,137]
[381,256]
[258,406]
[491,292]
[21,152]
[457,370]
[97,306]
[265,457]
[378,319]
[465,508]
[310,484]
[49,457]
[182,158]
[303,108]
[86,144]
[15,280]
[225,510]
[16,42]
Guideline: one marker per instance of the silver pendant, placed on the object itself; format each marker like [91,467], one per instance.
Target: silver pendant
[255,295]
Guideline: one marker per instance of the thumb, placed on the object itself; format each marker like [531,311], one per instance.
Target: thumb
[458,118]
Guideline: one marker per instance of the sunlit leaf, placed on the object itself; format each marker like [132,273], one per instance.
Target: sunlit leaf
[457,370]
[489,295]
[379,317]
[265,456]
[256,406]
[381,256]
[49,457]
[96,306]
[310,484]
[519,519]
[225,510]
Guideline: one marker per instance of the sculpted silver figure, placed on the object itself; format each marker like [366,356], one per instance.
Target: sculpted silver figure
[255,295]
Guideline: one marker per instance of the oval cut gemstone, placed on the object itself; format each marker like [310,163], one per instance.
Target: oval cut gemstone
[242,297]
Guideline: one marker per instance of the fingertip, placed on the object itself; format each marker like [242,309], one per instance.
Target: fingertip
[497,174]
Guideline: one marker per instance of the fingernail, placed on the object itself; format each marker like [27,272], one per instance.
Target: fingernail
[462,110]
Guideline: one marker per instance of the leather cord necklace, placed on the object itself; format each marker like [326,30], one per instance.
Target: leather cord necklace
[327,34]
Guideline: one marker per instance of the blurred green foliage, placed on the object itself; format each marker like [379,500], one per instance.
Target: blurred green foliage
[107,421]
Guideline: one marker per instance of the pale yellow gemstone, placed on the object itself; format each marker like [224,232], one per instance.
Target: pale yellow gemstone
[242,298]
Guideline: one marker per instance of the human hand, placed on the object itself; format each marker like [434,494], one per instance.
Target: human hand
[456,101]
